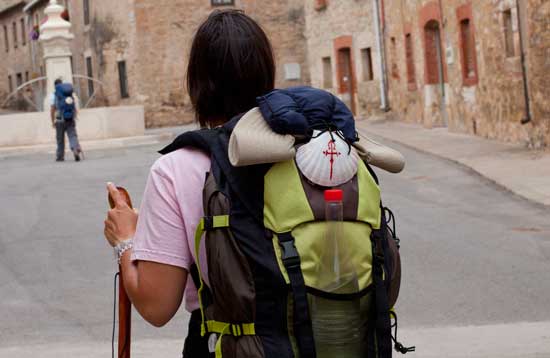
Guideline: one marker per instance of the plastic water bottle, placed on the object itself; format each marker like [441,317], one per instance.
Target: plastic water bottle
[337,325]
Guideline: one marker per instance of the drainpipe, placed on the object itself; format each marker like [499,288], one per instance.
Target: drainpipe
[527,117]
[442,58]
[384,105]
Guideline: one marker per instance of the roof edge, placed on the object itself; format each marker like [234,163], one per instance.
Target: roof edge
[10,7]
[30,5]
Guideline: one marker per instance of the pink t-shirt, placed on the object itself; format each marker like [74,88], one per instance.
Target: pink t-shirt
[170,211]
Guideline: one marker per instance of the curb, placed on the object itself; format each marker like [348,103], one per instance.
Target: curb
[122,142]
[458,162]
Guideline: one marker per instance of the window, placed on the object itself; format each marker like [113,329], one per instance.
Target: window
[221,2]
[86,7]
[508,33]
[6,39]
[90,73]
[411,74]
[65,15]
[366,59]
[320,4]
[468,50]
[432,53]
[23,32]
[123,79]
[10,84]
[26,76]
[14,29]
[327,72]
[394,68]
[19,79]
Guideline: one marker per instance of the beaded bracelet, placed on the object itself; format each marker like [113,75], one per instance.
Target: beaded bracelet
[122,247]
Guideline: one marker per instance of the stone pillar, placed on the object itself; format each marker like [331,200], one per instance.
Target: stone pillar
[55,36]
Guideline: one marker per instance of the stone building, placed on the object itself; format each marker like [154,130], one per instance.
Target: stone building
[343,52]
[458,63]
[455,63]
[21,54]
[136,50]
[16,65]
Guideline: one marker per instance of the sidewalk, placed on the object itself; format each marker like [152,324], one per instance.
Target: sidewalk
[151,137]
[517,169]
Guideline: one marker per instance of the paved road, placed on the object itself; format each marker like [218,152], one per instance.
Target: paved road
[476,260]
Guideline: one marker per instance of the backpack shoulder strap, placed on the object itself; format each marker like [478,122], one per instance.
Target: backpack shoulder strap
[244,183]
[202,139]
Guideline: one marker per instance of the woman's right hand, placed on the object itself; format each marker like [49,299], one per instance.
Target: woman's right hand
[121,221]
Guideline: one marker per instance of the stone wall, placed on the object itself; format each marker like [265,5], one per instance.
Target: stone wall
[165,31]
[31,128]
[537,44]
[483,75]
[328,26]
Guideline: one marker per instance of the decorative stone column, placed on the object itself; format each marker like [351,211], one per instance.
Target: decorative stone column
[55,36]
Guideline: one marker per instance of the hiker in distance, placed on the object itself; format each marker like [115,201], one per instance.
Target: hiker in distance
[236,224]
[63,113]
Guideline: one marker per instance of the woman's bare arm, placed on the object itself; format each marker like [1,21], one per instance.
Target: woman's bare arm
[155,289]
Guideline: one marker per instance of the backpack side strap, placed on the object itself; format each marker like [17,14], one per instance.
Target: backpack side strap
[379,338]
[302,321]
[207,223]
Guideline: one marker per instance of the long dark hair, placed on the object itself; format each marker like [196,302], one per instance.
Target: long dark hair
[230,64]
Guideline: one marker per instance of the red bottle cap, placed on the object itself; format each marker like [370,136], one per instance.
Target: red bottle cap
[334,195]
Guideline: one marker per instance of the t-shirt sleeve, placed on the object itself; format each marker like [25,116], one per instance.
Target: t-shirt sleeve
[160,234]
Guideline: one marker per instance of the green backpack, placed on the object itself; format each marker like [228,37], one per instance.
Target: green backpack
[263,229]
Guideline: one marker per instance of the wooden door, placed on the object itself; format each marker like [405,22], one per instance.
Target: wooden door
[345,78]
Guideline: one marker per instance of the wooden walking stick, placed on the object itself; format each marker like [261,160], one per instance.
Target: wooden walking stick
[124,304]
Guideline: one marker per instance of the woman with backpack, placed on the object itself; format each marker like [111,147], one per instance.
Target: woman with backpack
[265,228]
[231,63]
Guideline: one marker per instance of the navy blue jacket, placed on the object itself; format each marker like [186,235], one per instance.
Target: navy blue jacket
[300,110]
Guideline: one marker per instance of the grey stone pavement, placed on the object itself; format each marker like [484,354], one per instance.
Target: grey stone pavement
[476,259]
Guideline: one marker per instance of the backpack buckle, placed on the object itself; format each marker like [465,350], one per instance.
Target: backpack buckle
[378,259]
[208,223]
[289,255]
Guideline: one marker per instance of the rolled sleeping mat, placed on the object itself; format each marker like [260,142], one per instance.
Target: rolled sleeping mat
[379,155]
[254,142]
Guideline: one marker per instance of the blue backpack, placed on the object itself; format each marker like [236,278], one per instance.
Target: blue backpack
[64,101]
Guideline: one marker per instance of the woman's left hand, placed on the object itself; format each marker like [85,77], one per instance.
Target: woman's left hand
[121,221]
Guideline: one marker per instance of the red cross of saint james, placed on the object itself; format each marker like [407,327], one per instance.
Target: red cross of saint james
[331,150]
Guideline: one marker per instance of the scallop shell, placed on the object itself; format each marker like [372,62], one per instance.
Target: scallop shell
[327,160]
